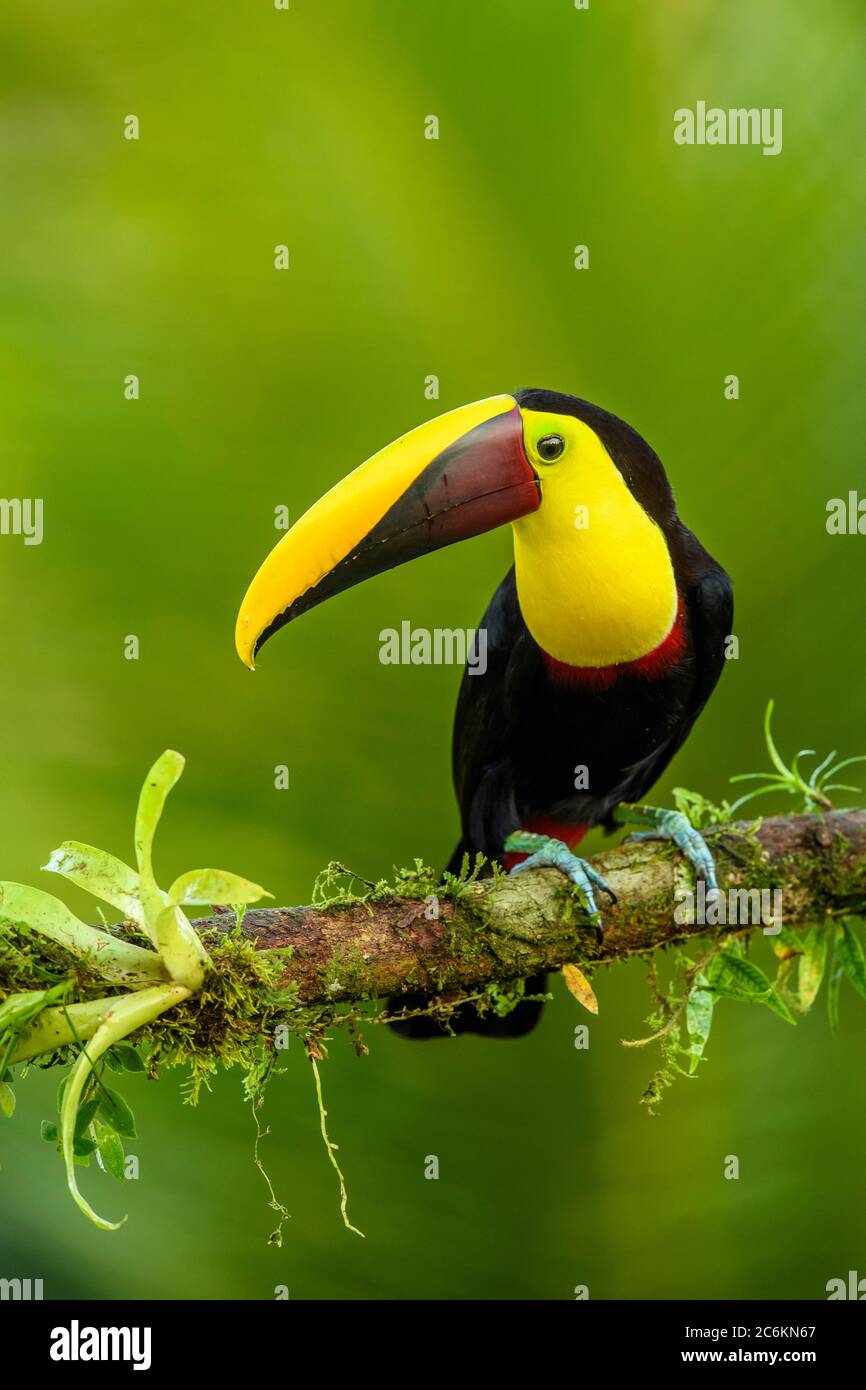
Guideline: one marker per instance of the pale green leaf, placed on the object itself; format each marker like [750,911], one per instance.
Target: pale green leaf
[100,874]
[181,947]
[159,781]
[773,751]
[59,1027]
[699,1018]
[201,887]
[846,762]
[849,954]
[7,1100]
[109,956]
[125,1013]
[812,964]
[164,775]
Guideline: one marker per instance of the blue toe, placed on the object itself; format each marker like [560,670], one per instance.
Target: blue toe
[673,825]
[545,852]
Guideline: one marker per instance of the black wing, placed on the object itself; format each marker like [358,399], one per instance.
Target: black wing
[490,716]
[709,600]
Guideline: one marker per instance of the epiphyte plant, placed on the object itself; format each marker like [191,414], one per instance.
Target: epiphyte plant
[813,793]
[149,979]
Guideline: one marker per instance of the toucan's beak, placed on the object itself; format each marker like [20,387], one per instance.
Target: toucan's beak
[459,475]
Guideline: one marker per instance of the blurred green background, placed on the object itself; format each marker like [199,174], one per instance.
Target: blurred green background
[412,257]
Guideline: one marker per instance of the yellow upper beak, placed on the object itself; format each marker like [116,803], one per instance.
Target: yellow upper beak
[402,502]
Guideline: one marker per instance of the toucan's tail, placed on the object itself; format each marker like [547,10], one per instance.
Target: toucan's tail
[520,1021]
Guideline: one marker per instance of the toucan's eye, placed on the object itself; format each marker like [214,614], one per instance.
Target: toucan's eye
[551,447]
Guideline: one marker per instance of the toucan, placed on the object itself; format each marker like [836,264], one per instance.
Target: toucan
[603,642]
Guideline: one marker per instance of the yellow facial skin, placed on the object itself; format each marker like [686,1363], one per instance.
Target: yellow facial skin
[335,525]
[602,591]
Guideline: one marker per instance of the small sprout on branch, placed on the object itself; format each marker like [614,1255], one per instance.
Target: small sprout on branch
[813,795]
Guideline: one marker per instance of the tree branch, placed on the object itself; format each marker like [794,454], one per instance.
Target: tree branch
[496,930]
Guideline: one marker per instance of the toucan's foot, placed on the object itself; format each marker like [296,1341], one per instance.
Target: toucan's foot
[545,852]
[671,825]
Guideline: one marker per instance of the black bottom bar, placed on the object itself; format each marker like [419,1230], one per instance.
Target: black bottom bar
[70,1339]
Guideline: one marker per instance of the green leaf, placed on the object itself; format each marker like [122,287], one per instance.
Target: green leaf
[85,1115]
[49,1132]
[822,767]
[114,1111]
[812,964]
[720,981]
[159,781]
[803,753]
[200,887]
[747,976]
[111,1153]
[846,762]
[18,1010]
[126,1057]
[7,1100]
[126,1013]
[83,1147]
[164,775]
[747,981]
[775,1002]
[112,958]
[100,874]
[773,751]
[180,947]
[750,796]
[759,777]
[715,970]
[699,1018]
[849,954]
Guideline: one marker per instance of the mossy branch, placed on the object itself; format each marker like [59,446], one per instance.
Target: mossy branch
[268,973]
[231,989]
[462,937]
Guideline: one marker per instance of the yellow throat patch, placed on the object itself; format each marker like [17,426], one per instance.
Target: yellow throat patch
[594,576]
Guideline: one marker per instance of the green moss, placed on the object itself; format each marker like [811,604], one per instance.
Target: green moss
[345,972]
[826,873]
[334,887]
[232,1020]
[418,882]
